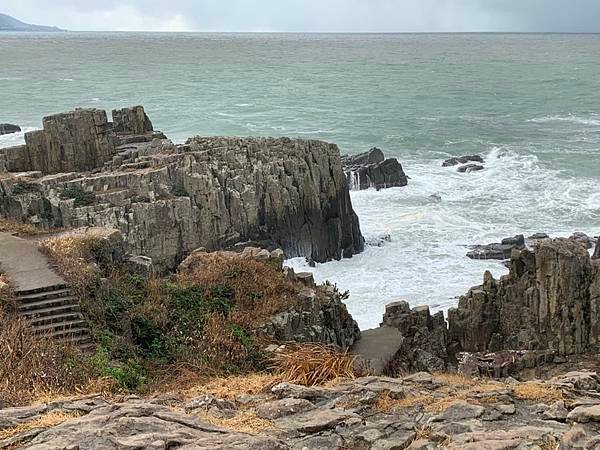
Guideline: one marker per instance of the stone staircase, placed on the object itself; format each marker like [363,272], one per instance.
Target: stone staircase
[53,311]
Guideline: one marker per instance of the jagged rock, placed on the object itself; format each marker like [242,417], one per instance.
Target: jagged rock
[468,168]
[556,411]
[320,317]
[131,121]
[537,236]
[582,238]
[500,250]
[280,193]
[549,301]
[425,338]
[459,410]
[596,254]
[8,128]
[462,160]
[372,169]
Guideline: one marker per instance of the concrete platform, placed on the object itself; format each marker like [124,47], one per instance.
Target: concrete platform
[24,265]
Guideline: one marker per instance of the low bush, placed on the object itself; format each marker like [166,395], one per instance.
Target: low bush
[81,196]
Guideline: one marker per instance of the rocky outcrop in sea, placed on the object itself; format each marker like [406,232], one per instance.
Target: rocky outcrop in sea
[82,170]
[373,170]
[8,128]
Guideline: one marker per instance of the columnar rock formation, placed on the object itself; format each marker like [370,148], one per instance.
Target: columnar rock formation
[169,200]
[549,301]
[372,169]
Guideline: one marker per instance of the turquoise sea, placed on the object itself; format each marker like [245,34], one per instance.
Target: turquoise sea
[530,104]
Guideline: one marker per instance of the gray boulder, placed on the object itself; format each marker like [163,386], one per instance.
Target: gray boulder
[462,160]
[8,128]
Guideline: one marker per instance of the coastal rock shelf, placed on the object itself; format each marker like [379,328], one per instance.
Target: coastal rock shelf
[372,170]
[168,200]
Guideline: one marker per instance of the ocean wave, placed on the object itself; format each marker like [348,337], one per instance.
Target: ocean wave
[10,140]
[593,120]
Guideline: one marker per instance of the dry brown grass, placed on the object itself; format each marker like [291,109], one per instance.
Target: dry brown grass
[314,364]
[32,366]
[243,421]
[20,228]
[229,387]
[538,392]
[51,419]
[454,387]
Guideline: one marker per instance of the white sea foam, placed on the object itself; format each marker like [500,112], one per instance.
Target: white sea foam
[9,140]
[425,261]
[593,120]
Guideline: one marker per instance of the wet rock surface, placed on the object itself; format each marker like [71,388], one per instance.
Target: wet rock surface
[415,412]
[462,160]
[372,170]
[9,128]
[499,250]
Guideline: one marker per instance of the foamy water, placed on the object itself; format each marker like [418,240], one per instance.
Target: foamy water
[530,104]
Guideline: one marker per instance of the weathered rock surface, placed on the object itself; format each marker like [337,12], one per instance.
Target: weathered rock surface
[372,169]
[468,168]
[549,301]
[415,412]
[8,128]
[320,317]
[169,200]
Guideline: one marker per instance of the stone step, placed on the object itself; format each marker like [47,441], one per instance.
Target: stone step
[29,292]
[50,311]
[56,320]
[52,302]
[27,298]
[70,333]
[66,325]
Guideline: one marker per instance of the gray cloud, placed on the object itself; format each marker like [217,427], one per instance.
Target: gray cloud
[312,15]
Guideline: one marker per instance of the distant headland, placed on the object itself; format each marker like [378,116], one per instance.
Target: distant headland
[8,23]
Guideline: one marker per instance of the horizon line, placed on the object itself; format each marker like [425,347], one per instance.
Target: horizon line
[299,32]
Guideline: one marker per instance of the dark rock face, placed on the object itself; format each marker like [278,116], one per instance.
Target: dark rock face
[425,338]
[596,254]
[549,301]
[462,160]
[7,128]
[372,169]
[500,250]
[169,200]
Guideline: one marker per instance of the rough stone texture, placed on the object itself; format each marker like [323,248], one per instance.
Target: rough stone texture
[425,338]
[320,317]
[169,200]
[468,168]
[596,254]
[131,121]
[364,413]
[8,128]
[549,301]
[372,169]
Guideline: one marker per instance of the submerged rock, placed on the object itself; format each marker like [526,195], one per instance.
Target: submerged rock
[462,160]
[468,168]
[8,128]
[372,169]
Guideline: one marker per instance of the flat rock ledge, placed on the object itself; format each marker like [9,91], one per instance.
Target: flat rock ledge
[419,411]
[373,170]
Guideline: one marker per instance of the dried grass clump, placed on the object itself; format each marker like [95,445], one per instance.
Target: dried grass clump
[243,422]
[19,228]
[32,366]
[314,364]
[537,392]
[51,419]
[72,255]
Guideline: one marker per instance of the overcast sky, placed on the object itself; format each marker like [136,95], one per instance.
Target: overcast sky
[311,15]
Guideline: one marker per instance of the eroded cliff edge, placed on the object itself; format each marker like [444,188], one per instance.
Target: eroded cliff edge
[214,192]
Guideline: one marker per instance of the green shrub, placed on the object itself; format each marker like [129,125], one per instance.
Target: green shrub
[22,187]
[179,191]
[82,197]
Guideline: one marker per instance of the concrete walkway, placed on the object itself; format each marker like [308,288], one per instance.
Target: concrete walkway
[24,265]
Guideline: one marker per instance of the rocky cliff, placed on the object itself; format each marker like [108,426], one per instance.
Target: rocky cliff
[170,199]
